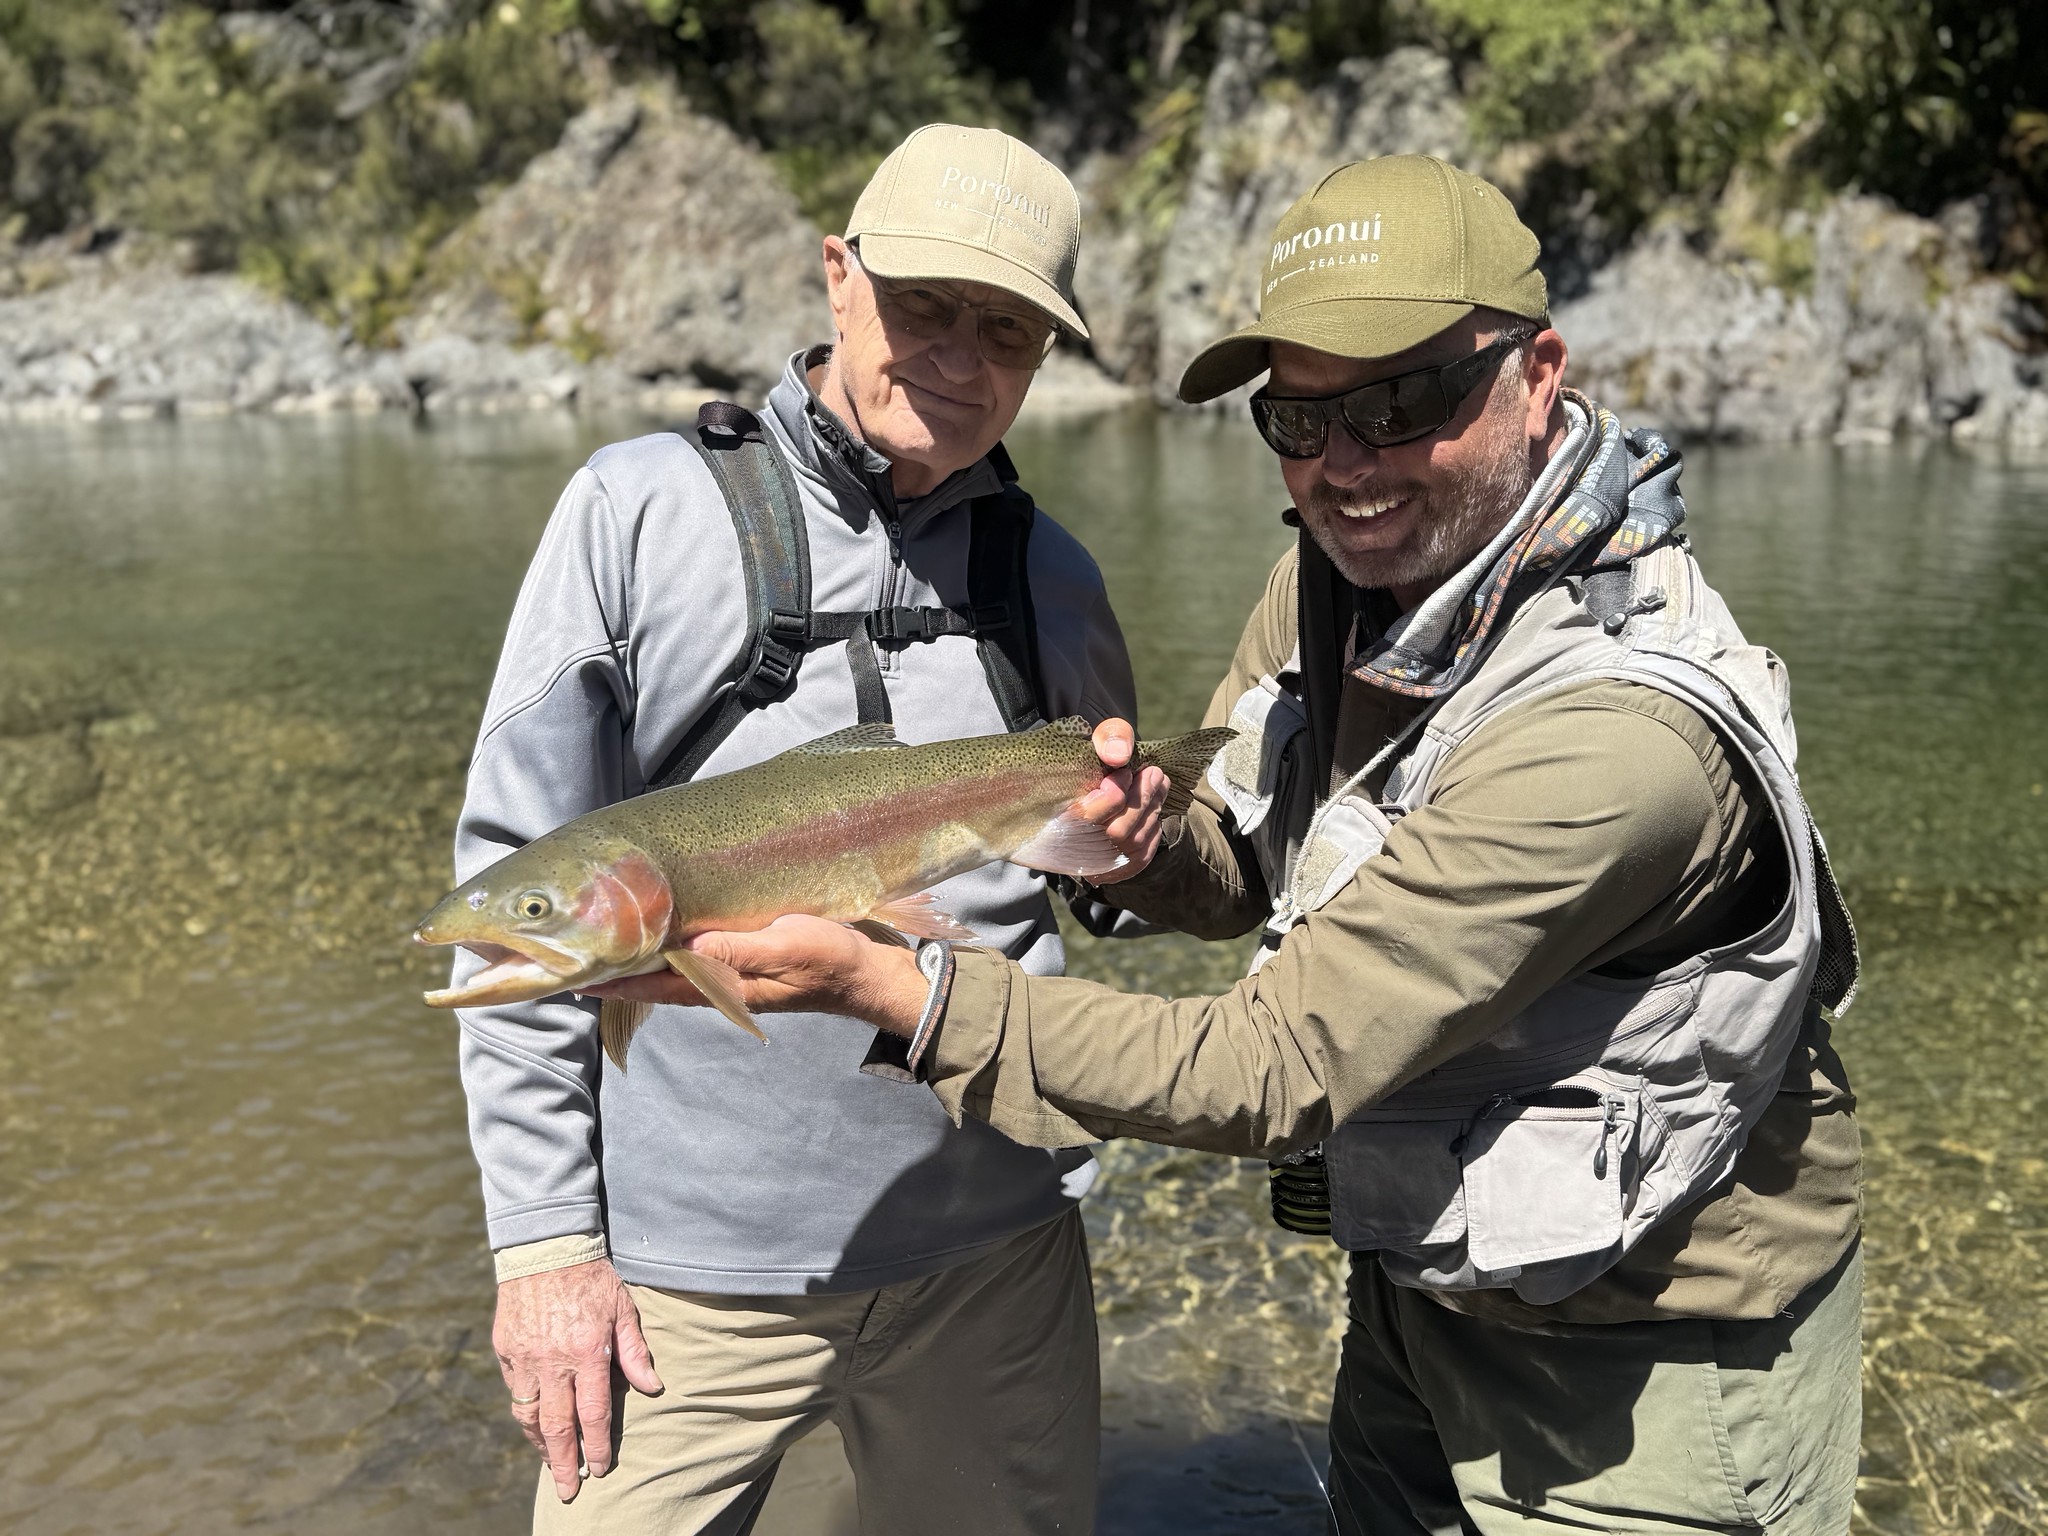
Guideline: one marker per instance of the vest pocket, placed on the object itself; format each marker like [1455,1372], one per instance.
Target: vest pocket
[1548,1174]
[1395,1182]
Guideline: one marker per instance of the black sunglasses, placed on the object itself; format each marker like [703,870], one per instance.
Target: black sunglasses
[1380,414]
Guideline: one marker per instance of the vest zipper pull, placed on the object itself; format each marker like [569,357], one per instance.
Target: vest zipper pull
[1498,1101]
[1608,1107]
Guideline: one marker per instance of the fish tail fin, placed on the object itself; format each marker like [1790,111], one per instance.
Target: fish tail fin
[618,1020]
[719,983]
[1183,759]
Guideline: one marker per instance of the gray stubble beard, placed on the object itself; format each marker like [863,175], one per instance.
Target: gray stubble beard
[1456,519]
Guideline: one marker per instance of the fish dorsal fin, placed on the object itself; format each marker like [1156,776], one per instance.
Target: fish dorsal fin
[868,736]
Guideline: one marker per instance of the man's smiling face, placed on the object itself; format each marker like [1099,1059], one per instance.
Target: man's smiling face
[930,405]
[1407,516]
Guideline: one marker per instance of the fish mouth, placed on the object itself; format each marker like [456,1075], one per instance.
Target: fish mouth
[512,976]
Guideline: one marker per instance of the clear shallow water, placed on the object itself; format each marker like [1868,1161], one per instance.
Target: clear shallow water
[242,1281]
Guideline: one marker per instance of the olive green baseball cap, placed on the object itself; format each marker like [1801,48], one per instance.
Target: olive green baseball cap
[975,206]
[1379,256]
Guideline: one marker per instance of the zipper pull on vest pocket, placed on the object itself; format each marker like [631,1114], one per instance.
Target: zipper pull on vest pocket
[1608,1106]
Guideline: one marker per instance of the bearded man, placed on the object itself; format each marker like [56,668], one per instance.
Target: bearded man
[1548,933]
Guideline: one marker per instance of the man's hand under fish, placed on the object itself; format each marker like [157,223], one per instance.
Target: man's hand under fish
[804,964]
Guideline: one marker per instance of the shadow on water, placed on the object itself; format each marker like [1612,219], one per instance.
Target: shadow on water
[242,1279]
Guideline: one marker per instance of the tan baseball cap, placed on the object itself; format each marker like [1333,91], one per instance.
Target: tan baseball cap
[1379,256]
[975,206]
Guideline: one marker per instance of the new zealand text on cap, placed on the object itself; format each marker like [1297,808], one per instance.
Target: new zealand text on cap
[1380,255]
[977,206]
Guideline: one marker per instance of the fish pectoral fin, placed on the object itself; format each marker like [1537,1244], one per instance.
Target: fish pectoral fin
[618,1020]
[920,917]
[719,983]
[1070,844]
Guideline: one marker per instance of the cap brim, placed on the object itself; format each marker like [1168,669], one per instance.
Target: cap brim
[1348,327]
[955,261]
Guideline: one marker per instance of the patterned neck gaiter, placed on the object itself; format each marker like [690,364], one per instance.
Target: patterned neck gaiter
[1606,497]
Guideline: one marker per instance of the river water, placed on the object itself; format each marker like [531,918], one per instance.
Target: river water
[242,1276]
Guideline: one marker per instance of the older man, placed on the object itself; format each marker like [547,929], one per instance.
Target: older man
[763,1239]
[1548,931]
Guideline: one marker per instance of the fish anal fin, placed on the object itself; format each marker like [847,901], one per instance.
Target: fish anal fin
[1070,844]
[921,917]
[720,984]
[618,1020]
[878,930]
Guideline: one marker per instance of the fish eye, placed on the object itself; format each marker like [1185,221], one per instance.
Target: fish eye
[533,906]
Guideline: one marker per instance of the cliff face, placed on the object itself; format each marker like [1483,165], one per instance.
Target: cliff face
[651,235]
[655,256]
[651,258]
[1900,331]
[1155,298]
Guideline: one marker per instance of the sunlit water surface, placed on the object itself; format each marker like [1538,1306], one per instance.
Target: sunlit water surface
[242,1275]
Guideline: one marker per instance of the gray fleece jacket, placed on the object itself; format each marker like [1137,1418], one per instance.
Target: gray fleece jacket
[718,1164]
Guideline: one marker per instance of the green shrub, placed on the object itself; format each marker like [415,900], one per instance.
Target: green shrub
[67,73]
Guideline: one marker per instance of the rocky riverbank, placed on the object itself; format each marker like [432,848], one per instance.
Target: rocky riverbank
[653,257]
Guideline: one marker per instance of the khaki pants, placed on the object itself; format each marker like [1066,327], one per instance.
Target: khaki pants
[968,1401]
[1452,1426]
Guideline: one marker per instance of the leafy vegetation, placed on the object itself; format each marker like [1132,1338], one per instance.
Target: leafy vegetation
[326,147]
[1614,112]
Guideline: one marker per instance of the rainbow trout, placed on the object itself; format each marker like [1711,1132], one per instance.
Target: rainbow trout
[852,827]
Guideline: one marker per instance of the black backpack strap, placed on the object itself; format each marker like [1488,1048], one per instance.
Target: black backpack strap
[761,498]
[760,495]
[999,593]
[1327,606]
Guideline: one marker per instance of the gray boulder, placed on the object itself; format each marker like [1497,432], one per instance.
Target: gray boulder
[1666,335]
[120,339]
[1901,333]
[1262,147]
[650,236]
[1987,353]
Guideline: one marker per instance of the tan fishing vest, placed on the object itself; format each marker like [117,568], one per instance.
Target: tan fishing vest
[1536,1160]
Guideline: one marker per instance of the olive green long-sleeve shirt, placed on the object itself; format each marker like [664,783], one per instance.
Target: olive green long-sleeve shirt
[1604,827]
